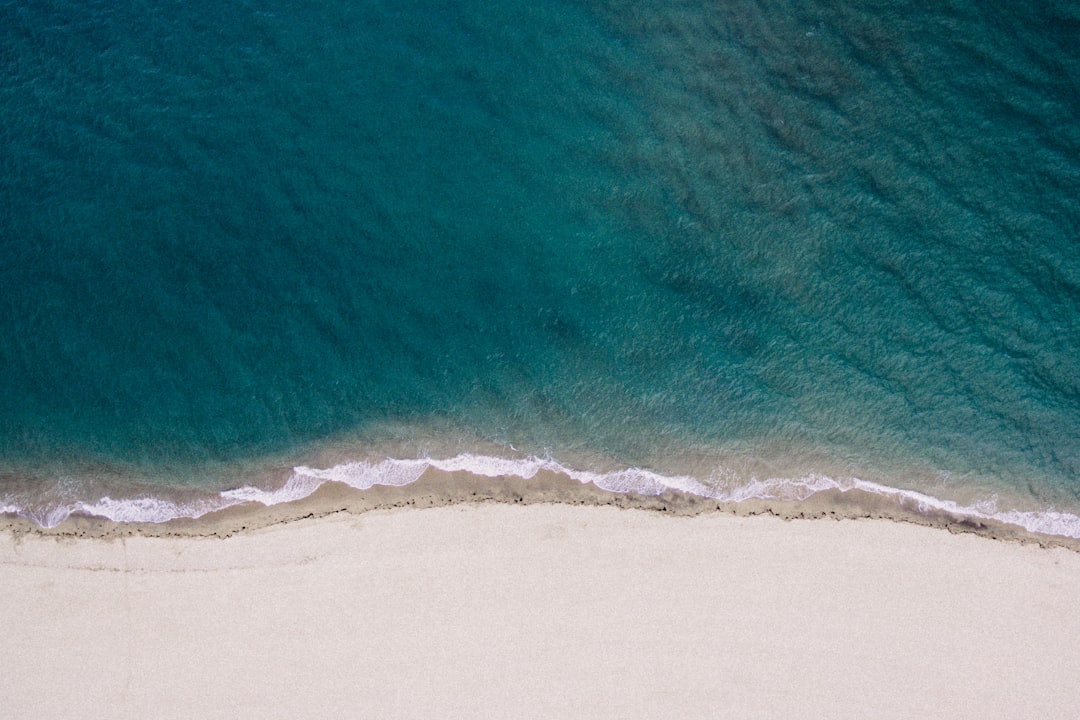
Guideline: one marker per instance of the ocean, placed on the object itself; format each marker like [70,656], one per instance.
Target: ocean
[728,248]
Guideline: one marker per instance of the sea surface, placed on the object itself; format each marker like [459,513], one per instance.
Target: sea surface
[735,248]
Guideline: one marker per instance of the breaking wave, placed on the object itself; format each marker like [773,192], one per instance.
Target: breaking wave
[363,475]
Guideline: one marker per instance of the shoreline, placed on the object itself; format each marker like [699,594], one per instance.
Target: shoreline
[440,488]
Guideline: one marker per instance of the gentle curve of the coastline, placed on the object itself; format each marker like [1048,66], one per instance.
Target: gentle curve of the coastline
[362,486]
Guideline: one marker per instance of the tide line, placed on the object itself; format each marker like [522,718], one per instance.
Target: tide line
[363,475]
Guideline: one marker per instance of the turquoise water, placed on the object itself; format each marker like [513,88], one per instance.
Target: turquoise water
[840,236]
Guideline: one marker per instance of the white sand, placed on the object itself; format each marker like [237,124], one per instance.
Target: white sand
[541,611]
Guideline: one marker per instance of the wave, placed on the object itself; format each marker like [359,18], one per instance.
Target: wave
[362,475]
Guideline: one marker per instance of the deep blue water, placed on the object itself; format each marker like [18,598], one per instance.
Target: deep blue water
[845,234]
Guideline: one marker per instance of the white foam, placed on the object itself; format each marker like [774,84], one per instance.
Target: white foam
[1047,522]
[50,517]
[297,487]
[151,509]
[365,475]
[398,472]
[489,466]
[785,489]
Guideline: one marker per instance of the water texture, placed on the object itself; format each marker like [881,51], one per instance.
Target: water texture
[841,235]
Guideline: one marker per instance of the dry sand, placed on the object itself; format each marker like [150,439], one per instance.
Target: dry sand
[541,611]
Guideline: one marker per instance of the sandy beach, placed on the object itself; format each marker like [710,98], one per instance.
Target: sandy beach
[556,360]
[545,610]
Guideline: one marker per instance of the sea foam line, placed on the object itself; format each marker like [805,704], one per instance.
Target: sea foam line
[398,472]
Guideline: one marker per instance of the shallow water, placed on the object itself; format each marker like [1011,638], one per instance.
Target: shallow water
[841,238]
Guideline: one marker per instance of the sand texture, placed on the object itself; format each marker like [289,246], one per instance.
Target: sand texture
[545,610]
